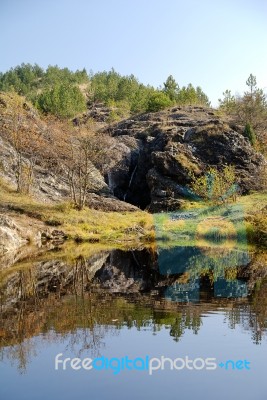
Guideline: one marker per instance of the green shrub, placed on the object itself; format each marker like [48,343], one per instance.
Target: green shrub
[158,101]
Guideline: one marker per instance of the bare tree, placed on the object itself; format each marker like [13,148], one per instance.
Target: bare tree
[83,154]
[22,132]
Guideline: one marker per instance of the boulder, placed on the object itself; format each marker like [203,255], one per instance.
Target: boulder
[172,145]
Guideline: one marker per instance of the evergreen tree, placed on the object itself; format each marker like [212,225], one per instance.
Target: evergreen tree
[63,101]
[228,103]
[252,83]
[250,134]
[171,88]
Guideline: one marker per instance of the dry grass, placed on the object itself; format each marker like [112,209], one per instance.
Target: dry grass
[187,164]
[85,225]
[170,225]
[217,228]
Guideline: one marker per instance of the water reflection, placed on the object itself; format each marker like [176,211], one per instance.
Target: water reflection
[220,265]
[88,294]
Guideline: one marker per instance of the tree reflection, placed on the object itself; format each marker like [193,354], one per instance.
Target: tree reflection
[66,303]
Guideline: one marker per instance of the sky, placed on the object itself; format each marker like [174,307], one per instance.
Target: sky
[214,44]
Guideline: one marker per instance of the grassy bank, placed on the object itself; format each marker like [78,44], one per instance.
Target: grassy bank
[86,225]
[240,223]
[247,216]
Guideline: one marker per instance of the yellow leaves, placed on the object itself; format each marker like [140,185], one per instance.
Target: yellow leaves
[216,186]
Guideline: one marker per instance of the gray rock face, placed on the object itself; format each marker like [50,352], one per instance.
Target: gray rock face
[48,186]
[21,236]
[10,235]
[171,145]
[151,160]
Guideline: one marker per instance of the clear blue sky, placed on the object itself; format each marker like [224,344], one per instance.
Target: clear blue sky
[214,44]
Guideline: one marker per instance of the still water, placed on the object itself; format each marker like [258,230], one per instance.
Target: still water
[172,301]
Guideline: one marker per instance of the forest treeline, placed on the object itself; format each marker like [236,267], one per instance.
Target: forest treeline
[64,93]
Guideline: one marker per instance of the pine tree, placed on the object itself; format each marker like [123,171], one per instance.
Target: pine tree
[171,88]
[250,134]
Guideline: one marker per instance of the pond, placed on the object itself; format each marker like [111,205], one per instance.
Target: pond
[169,321]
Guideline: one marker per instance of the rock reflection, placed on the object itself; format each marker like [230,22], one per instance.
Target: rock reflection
[85,296]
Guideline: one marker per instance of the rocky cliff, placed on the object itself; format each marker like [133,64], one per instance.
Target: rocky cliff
[152,156]
[166,147]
